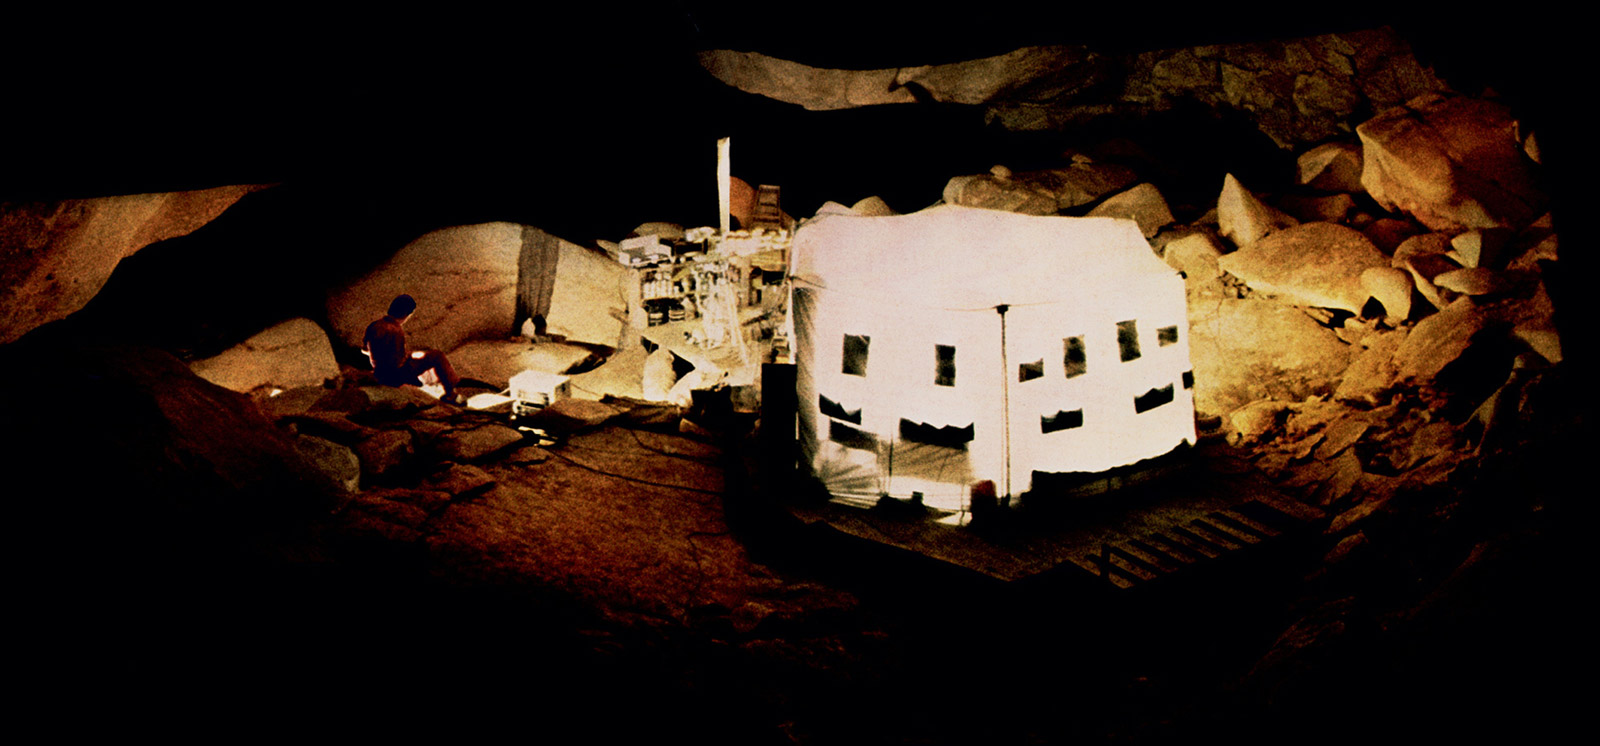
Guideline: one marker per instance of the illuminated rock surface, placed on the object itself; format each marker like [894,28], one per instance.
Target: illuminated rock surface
[291,354]
[1473,281]
[1331,167]
[54,256]
[1391,287]
[622,374]
[1388,233]
[874,206]
[1426,243]
[1142,204]
[1336,208]
[496,362]
[1080,183]
[1373,372]
[1316,264]
[464,280]
[1245,350]
[1424,268]
[1242,218]
[1042,192]
[1484,248]
[995,193]
[1439,340]
[475,443]
[667,231]
[1195,255]
[1453,163]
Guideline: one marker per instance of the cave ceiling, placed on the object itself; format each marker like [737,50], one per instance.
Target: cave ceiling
[601,119]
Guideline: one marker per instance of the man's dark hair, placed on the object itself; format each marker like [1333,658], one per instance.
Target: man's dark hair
[402,306]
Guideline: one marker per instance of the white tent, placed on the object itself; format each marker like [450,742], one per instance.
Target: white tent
[955,345]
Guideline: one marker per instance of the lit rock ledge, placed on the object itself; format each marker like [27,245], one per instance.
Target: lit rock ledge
[55,256]
[291,354]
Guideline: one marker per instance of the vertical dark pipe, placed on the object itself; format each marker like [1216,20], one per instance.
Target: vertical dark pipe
[1005,400]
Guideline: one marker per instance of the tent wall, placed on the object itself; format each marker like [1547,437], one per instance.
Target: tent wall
[895,398]
[899,383]
[1098,423]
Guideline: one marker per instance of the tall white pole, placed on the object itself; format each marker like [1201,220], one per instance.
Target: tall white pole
[724,174]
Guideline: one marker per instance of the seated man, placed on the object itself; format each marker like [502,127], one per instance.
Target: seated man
[385,345]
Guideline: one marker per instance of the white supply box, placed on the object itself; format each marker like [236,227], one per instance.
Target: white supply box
[532,389]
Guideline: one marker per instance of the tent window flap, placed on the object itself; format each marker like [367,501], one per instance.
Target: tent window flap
[944,367]
[948,436]
[1075,360]
[855,354]
[1049,423]
[1128,340]
[1153,398]
[837,411]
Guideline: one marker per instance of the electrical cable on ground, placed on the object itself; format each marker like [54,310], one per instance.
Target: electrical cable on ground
[708,461]
[624,477]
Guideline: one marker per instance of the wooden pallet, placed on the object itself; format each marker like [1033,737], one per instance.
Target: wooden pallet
[1129,562]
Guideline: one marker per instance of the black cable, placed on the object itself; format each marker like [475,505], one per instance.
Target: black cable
[665,452]
[710,461]
[624,477]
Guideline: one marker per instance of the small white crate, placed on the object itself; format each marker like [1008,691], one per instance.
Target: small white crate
[532,389]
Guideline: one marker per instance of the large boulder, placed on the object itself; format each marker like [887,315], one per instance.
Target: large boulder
[55,256]
[464,279]
[1372,374]
[1143,204]
[1332,208]
[1244,219]
[385,452]
[1439,340]
[1246,350]
[336,461]
[288,355]
[1195,255]
[664,230]
[475,443]
[1474,281]
[496,362]
[1316,264]
[1331,167]
[1487,248]
[1392,288]
[993,192]
[621,375]
[873,206]
[1080,183]
[1453,163]
[582,293]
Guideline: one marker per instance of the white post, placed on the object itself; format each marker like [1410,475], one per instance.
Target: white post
[724,174]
